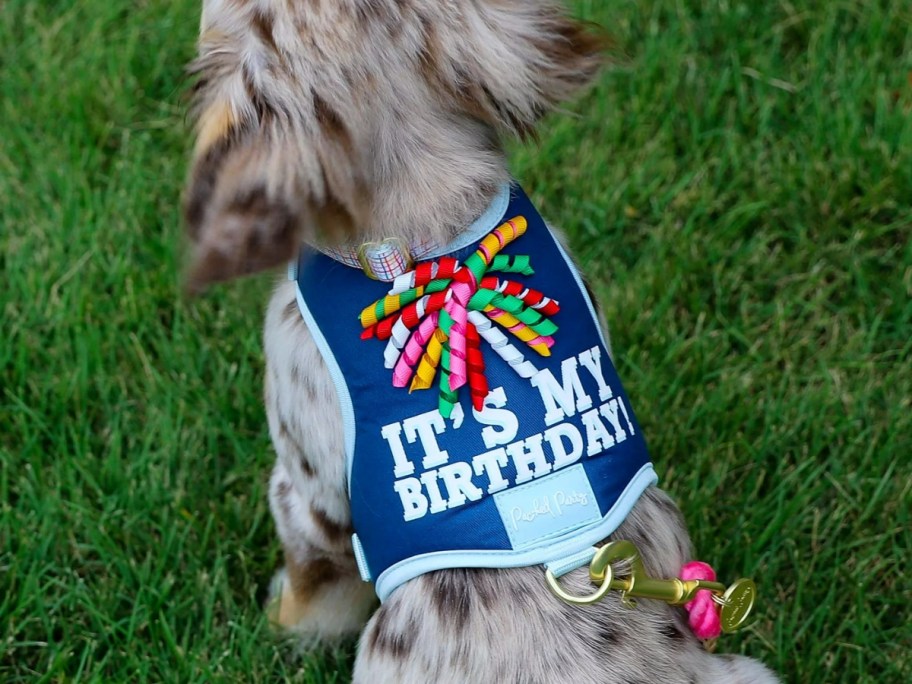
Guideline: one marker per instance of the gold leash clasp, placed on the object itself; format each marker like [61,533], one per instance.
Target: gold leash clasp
[736,601]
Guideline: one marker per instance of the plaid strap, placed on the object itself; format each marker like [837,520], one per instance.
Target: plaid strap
[385,260]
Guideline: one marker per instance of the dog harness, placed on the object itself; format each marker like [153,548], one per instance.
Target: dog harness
[485,425]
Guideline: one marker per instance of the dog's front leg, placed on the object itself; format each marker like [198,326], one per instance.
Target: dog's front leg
[319,594]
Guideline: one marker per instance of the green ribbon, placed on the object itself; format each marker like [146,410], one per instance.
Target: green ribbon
[447,398]
[504,263]
[516,307]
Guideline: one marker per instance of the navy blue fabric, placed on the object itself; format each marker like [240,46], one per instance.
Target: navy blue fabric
[335,294]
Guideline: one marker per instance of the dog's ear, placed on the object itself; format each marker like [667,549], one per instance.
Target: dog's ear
[513,60]
[236,223]
[264,177]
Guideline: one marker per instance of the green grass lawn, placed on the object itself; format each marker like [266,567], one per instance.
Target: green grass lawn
[739,187]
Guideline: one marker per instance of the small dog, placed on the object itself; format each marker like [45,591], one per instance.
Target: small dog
[347,122]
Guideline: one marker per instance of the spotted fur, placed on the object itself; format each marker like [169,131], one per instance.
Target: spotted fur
[349,120]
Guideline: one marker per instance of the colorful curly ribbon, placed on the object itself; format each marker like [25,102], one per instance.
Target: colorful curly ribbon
[465,284]
[414,350]
[532,298]
[378,318]
[435,317]
[427,369]
[478,383]
[501,345]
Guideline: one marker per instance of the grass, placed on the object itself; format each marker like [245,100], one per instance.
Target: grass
[739,187]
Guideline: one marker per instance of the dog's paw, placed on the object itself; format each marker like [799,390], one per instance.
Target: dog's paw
[337,611]
[274,600]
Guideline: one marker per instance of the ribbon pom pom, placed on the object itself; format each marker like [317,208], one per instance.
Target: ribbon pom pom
[705,618]
[435,317]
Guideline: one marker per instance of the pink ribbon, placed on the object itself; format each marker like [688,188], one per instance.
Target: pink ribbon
[414,349]
[464,286]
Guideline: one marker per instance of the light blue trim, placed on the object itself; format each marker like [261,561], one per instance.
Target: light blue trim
[582,286]
[345,402]
[562,566]
[483,225]
[568,544]
[360,558]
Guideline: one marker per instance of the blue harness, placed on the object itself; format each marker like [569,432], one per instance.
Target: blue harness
[551,464]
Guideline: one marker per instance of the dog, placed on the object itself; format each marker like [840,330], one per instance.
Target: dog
[379,124]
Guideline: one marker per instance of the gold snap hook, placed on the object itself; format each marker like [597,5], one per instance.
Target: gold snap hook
[603,588]
[735,601]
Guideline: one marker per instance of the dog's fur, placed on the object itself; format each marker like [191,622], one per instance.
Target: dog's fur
[349,120]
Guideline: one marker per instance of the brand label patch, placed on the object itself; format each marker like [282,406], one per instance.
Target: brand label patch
[547,507]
